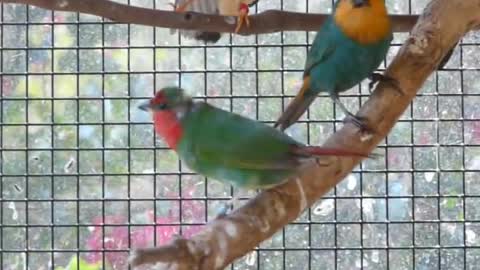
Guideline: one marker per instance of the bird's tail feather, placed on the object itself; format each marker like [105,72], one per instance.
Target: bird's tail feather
[317,151]
[297,107]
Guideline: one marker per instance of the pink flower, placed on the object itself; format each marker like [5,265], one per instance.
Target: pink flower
[115,239]
[424,138]
[58,17]
[476,131]
[7,86]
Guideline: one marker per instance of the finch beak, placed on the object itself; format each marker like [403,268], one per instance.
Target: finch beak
[145,106]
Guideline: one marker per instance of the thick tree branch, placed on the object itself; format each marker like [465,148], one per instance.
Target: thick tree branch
[265,22]
[443,23]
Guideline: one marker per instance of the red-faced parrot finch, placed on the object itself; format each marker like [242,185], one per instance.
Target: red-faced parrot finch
[226,146]
[349,47]
[238,8]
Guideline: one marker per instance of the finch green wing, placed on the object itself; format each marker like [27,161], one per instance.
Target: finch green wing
[218,137]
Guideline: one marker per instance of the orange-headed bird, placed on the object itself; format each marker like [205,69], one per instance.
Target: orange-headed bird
[348,48]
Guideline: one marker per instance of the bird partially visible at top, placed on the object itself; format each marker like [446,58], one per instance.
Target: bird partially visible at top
[348,48]
[228,147]
[237,8]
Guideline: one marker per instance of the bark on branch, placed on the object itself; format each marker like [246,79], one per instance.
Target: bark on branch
[222,241]
[266,22]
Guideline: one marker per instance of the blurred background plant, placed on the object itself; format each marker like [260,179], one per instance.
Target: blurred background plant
[84,180]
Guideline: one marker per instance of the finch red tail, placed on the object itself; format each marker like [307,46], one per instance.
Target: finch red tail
[317,151]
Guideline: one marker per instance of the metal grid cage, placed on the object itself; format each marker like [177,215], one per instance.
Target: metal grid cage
[83,179]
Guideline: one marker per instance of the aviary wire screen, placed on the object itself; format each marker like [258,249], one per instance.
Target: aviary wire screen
[84,179]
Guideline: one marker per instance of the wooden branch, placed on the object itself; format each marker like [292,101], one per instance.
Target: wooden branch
[222,241]
[266,22]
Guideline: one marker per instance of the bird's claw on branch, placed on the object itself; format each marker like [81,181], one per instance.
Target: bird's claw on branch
[241,19]
[361,122]
[378,77]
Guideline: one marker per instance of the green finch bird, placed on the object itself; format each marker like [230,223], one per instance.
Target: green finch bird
[349,47]
[226,146]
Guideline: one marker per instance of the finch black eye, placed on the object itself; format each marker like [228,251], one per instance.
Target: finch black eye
[158,106]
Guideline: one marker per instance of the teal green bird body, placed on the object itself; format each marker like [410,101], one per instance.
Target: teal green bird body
[348,48]
[259,155]
[344,66]
[226,146]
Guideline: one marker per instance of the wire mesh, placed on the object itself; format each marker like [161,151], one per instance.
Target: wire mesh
[84,180]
